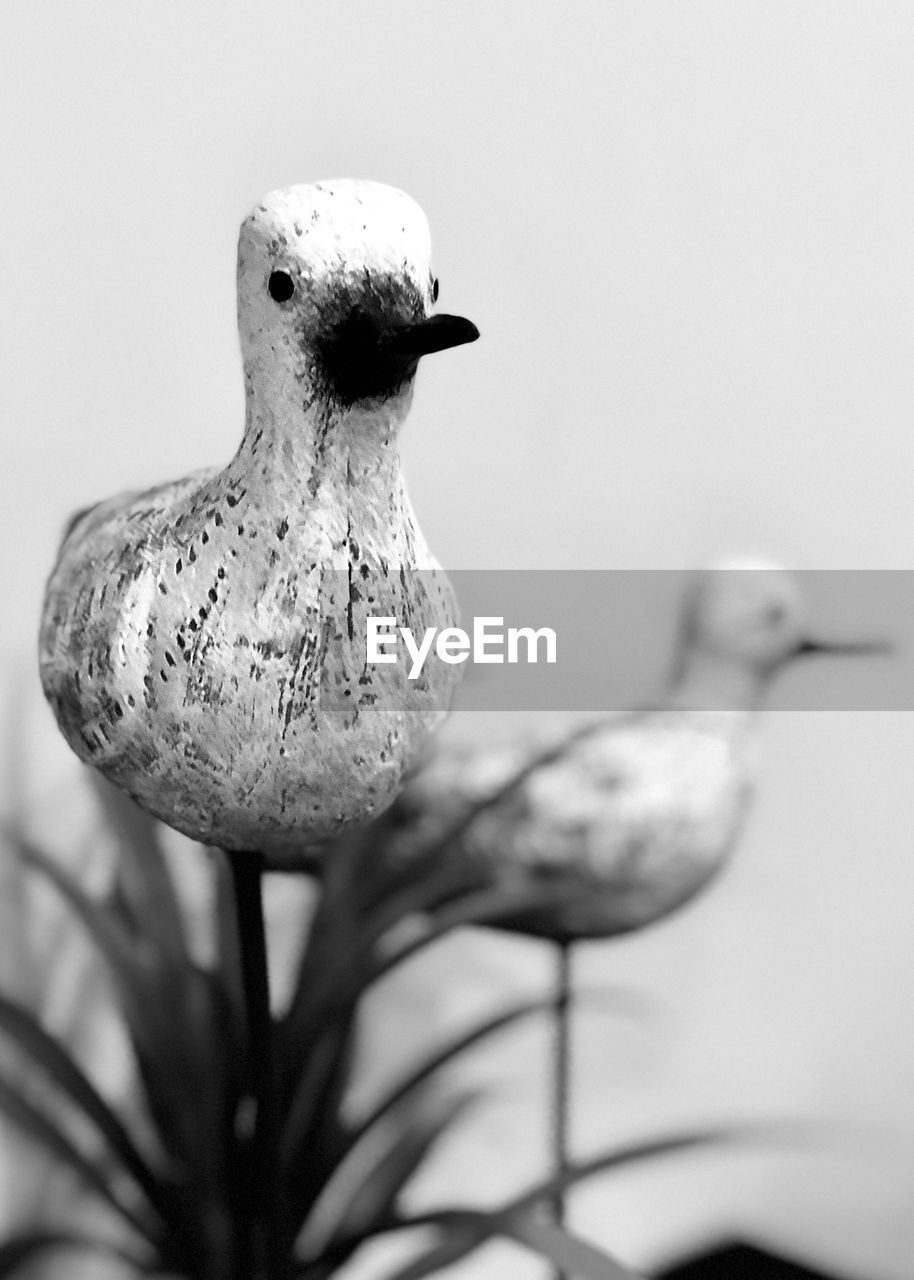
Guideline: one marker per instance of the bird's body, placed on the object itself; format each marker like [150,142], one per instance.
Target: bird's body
[637,812]
[634,813]
[203,642]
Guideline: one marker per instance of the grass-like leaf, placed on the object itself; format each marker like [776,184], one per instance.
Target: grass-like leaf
[314,1134]
[354,1213]
[339,986]
[634,1153]
[459,1241]
[20,1250]
[44,1051]
[143,873]
[228,951]
[570,1256]
[34,1121]
[432,1065]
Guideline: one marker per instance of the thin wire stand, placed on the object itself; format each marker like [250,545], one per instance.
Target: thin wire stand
[561,1078]
[259,1244]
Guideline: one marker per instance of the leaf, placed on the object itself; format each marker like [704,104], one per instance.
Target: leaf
[228,951]
[172,1017]
[341,942]
[569,1255]
[435,1063]
[143,873]
[19,1250]
[47,1053]
[467,1229]
[374,1197]
[338,987]
[634,1153]
[43,1130]
[119,951]
[312,1132]
[455,1246]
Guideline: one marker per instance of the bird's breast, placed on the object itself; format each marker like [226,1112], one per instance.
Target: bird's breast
[209,655]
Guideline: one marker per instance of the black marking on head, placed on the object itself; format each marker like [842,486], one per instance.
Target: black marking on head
[354,360]
[435,289]
[281,286]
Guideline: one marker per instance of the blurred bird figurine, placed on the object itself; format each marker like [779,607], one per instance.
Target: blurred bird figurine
[635,813]
[195,635]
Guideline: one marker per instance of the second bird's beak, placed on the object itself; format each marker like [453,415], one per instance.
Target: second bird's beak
[849,648]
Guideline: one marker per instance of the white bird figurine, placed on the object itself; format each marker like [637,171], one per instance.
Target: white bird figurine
[200,641]
[635,813]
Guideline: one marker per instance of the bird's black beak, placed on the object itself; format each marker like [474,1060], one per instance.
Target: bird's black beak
[422,337]
[810,647]
[369,353]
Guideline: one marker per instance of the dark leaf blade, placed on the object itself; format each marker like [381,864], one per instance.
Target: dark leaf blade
[42,1130]
[630,1154]
[336,962]
[453,1049]
[20,1250]
[340,986]
[456,1245]
[163,1009]
[143,872]
[376,1198]
[117,948]
[342,1247]
[373,1200]
[568,1254]
[228,951]
[312,1132]
[48,1054]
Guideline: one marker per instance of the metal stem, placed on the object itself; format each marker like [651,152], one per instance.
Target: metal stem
[260,1240]
[561,1077]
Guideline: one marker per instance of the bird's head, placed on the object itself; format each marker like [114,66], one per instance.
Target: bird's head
[747,615]
[336,291]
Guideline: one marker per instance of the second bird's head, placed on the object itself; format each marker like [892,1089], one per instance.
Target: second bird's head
[748,614]
[336,291]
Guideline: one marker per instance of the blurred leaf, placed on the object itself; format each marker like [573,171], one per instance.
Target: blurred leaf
[19,1250]
[185,1051]
[631,1154]
[457,1243]
[570,1256]
[333,990]
[48,1054]
[313,1133]
[143,873]
[372,1202]
[43,1130]
[436,1063]
[228,951]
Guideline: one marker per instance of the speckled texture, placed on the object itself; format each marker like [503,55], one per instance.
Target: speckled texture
[635,814]
[189,631]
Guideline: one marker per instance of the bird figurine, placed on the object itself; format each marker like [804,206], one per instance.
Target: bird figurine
[635,813]
[203,642]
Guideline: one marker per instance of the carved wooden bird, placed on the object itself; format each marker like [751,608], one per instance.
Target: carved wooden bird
[200,641]
[636,813]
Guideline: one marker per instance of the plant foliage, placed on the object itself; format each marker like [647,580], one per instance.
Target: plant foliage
[191,1194]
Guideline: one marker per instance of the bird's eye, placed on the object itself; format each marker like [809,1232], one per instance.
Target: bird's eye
[435,290]
[281,286]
